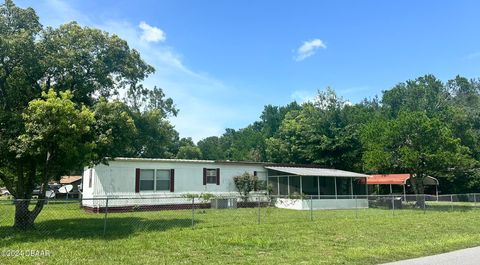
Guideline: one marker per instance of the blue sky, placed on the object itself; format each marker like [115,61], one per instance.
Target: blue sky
[222,61]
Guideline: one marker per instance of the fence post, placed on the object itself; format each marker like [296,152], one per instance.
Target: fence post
[105,218]
[311,207]
[424,203]
[393,205]
[451,201]
[193,213]
[474,201]
[259,210]
[356,207]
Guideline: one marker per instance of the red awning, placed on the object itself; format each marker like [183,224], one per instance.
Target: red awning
[398,179]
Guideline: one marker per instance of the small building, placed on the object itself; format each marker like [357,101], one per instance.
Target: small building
[145,182]
[75,181]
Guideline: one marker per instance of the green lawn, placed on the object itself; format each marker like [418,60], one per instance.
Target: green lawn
[235,237]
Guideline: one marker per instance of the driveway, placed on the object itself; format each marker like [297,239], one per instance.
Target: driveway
[469,256]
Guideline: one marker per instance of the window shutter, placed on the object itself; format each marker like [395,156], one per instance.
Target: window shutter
[172,180]
[255,173]
[90,177]
[218,176]
[204,176]
[137,180]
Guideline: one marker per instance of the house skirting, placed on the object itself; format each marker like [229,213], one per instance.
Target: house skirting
[163,207]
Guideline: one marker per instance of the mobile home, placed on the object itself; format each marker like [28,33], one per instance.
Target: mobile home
[142,182]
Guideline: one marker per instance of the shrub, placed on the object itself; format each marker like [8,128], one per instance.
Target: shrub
[246,183]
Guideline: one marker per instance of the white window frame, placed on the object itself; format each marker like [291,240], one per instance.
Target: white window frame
[155,180]
[215,175]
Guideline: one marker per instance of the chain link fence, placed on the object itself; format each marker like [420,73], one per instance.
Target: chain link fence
[114,216]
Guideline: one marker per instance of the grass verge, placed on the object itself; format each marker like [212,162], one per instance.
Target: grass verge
[367,236]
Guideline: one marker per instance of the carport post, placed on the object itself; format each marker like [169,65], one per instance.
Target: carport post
[336,192]
[105,218]
[301,186]
[451,201]
[393,205]
[474,200]
[351,188]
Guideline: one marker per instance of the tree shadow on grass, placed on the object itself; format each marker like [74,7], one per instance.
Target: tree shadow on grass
[90,228]
[433,207]
[449,208]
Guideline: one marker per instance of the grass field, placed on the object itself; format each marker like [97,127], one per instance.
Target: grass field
[367,236]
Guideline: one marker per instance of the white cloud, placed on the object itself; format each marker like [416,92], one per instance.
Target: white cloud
[151,33]
[309,48]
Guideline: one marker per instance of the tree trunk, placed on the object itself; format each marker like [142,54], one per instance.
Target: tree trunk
[24,218]
[419,188]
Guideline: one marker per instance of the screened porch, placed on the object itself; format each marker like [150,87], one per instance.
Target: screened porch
[319,182]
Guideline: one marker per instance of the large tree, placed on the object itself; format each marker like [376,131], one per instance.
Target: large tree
[415,144]
[325,132]
[425,93]
[56,136]
[91,66]
[211,148]
[454,103]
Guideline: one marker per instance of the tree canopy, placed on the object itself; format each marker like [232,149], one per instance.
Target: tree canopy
[416,144]
[58,106]
[373,135]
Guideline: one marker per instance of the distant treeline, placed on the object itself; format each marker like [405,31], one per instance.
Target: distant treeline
[418,126]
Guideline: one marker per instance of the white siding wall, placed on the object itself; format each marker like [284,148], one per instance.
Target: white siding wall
[118,178]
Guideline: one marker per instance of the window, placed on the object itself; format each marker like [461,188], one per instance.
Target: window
[154,180]
[211,176]
[147,180]
[163,180]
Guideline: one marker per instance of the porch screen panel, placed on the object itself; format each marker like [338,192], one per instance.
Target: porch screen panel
[273,183]
[283,181]
[343,187]
[310,185]
[359,187]
[294,184]
[327,188]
